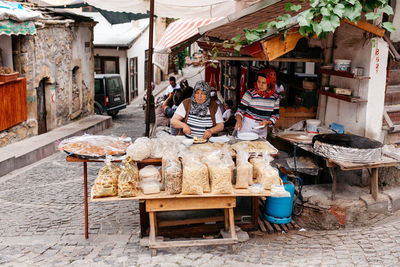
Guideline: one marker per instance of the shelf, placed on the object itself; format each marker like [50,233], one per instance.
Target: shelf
[345,74]
[346,98]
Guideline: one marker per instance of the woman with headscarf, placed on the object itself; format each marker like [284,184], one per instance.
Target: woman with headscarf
[198,116]
[259,106]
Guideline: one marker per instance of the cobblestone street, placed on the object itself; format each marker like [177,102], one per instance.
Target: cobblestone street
[42,224]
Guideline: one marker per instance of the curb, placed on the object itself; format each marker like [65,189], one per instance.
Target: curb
[30,150]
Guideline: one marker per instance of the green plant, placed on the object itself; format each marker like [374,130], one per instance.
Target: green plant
[322,18]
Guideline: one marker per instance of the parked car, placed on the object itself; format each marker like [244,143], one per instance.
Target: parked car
[108,94]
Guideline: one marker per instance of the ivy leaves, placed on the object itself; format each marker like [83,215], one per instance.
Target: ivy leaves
[322,18]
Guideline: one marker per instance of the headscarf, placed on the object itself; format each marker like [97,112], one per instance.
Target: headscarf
[201,109]
[271,80]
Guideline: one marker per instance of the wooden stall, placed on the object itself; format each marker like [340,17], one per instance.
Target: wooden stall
[13,103]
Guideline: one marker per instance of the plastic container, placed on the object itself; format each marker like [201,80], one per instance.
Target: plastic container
[149,172]
[280,207]
[150,186]
[342,64]
[312,126]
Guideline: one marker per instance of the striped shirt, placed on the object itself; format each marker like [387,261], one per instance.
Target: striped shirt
[199,124]
[259,108]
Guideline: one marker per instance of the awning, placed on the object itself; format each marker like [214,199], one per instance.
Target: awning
[165,8]
[9,27]
[179,33]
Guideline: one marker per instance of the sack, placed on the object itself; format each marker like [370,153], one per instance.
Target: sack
[106,182]
[128,180]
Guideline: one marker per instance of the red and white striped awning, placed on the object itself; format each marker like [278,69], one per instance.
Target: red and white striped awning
[179,31]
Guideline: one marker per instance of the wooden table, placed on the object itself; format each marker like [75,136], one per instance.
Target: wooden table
[151,199]
[165,202]
[85,161]
[333,166]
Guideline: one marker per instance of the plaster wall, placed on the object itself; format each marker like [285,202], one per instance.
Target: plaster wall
[114,52]
[359,118]
[138,49]
[82,57]
[395,36]
[6,51]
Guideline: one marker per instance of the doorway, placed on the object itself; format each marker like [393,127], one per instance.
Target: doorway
[41,108]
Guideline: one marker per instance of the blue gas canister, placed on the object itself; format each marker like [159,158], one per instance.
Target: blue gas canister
[279,209]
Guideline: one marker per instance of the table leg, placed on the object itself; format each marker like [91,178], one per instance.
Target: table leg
[374,183]
[86,199]
[152,235]
[332,171]
[232,227]
[226,219]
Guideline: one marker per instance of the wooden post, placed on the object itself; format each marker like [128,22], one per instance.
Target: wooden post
[150,67]
[374,183]
[332,171]
[86,199]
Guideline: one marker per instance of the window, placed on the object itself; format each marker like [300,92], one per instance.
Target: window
[133,73]
[98,86]
[114,85]
[106,65]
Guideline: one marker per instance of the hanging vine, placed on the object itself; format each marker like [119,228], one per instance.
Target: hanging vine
[322,18]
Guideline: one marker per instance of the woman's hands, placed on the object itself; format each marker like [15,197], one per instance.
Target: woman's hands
[238,125]
[265,123]
[207,134]
[186,129]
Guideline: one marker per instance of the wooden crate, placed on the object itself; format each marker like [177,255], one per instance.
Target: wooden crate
[290,115]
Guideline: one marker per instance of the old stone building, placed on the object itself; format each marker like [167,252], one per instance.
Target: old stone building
[58,65]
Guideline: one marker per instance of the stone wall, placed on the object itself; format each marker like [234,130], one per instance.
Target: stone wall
[56,54]
[18,132]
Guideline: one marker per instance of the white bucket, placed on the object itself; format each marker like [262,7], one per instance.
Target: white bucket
[342,64]
[312,126]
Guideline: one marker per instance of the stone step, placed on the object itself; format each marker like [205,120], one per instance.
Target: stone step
[394,77]
[30,150]
[392,96]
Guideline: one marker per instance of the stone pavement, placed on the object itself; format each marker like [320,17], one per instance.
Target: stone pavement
[42,224]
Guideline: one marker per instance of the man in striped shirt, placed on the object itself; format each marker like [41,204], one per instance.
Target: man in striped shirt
[259,107]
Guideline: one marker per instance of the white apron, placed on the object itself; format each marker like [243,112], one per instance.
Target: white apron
[247,127]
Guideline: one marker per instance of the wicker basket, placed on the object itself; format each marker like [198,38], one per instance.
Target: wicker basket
[8,77]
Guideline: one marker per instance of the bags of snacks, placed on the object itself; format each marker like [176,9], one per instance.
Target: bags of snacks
[221,177]
[140,149]
[244,169]
[173,177]
[128,180]
[195,176]
[106,182]
[149,172]
[266,174]
[158,148]
[258,164]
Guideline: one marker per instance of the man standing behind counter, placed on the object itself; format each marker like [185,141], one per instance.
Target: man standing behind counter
[259,106]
